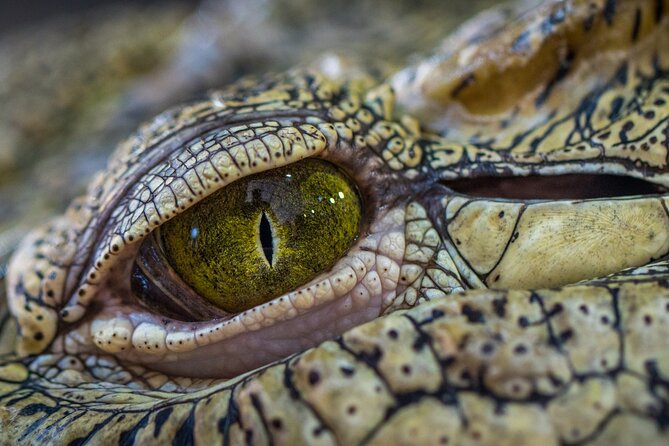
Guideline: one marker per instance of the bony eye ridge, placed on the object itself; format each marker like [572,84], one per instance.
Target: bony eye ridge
[263,235]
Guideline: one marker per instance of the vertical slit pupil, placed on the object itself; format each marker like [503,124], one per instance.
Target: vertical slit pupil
[266,238]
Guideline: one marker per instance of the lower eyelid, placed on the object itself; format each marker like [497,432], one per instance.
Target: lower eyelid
[357,289]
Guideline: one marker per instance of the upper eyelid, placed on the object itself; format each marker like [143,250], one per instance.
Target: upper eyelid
[187,176]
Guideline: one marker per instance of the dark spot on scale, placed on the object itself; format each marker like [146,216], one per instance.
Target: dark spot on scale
[629,125]
[520,349]
[277,424]
[605,320]
[616,105]
[351,410]
[648,319]
[39,317]
[584,309]
[499,306]
[501,214]
[566,335]
[314,377]
[649,115]
[347,371]
[523,321]
[406,369]
[487,348]
[38,336]
[49,293]
[473,315]
[393,334]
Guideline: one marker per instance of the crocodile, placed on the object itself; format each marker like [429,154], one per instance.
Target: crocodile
[504,280]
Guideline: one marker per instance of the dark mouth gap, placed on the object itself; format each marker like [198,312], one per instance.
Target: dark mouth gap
[557,187]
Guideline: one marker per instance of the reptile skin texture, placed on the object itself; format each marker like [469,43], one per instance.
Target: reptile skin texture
[460,315]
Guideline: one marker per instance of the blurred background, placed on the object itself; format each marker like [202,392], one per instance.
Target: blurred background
[17,14]
[78,76]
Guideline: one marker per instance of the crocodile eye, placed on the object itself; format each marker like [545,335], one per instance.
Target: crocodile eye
[263,235]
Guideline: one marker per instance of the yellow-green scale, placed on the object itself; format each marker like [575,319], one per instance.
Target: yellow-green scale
[312,214]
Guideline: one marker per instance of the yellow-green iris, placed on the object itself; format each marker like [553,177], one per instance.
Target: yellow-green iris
[265,234]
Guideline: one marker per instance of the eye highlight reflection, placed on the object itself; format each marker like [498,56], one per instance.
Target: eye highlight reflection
[256,239]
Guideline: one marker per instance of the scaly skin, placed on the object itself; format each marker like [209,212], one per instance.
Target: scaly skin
[502,321]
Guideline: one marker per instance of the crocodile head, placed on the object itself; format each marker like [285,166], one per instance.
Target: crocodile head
[496,273]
